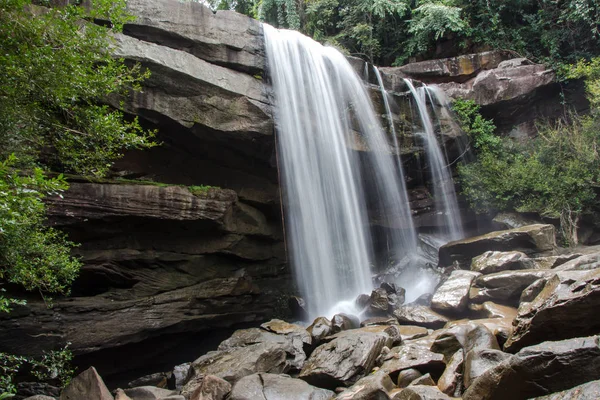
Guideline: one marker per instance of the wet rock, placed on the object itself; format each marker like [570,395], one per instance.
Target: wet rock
[420,316]
[586,262]
[297,307]
[552,262]
[529,239]
[292,338]
[379,321]
[362,301]
[235,363]
[425,380]
[532,291]
[587,391]
[372,387]
[379,302]
[276,387]
[423,300]
[511,220]
[209,387]
[451,381]
[421,393]
[505,287]
[452,296]
[479,337]
[225,38]
[87,385]
[411,355]
[343,322]
[406,376]
[320,329]
[179,376]
[501,328]
[497,261]
[538,370]
[478,361]
[159,379]
[492,310]
[409,332]
[149,393]
[560,311]
[344,360]
[390,333]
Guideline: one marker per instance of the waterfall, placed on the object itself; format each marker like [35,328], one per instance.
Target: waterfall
[321,107]
[441,176]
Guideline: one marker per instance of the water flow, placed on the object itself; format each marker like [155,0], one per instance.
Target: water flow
[319,101]
[441,177]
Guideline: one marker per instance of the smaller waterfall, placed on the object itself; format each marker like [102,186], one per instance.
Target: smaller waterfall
[439,171]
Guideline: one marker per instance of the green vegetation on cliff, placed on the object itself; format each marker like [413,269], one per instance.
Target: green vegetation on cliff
[55,72]
[392,31]
[556,174]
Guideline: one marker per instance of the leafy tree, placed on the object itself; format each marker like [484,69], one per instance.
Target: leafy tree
[556,174]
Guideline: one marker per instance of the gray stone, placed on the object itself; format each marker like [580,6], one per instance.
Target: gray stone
[564,309]
[206,387]
[538,370]
[235,363]
[149,393]
[379,302]
[497,261]
[421,393]
[406,376]
[411,355]
[587,391]
[451,381]
[505,287]
[492,310]
[425,380]
[87,385]
[225,37]
[531,292]
[348,357]
[320,329]
[420,316]
[158,379]
[276,387]
[179,376]
[478,361]
[372,387]
[586,262]
[343,322]
[452,296]
[529,239]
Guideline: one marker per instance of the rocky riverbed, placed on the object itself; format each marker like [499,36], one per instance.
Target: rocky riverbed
[514,318]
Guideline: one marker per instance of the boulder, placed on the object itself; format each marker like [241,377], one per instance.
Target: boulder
[497,261]
[320,328]
[587,391]
[528,239]
[179,376]
[420,393]
[158,379]
[379,321]
[406,376]
[586,262]
[224,38]
[501,327]
[39,397]
[451,381]
[343,322]
[410,332]
[532,291]
[452,296]
[378,303]
[149,393]
[505,287]
[276,387]
[372,387]
[478,361]
[492,310]
[425,380]
[120,395]
[539,370]
[87,385]
[511,220]
[420,316]
[562,310]
[29,389]
[209,387]
[348,357]
[293,339]
[550,262]
[411,355]
[235,363]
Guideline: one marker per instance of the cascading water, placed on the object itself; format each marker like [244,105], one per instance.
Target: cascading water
[320,100]
[441,177]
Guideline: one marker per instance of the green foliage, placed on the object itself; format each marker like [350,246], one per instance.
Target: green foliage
[556,174]
[54,73]
[431,21]
[54,366]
